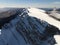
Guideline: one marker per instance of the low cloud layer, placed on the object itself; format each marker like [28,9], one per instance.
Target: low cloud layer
[41,5]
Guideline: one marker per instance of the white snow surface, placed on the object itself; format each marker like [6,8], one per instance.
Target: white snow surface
[39,13]
[56,15]
[57,38]
[43,16]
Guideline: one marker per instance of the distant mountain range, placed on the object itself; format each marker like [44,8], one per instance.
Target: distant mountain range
[49,9]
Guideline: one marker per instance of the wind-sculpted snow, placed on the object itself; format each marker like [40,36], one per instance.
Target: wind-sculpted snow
[24,29]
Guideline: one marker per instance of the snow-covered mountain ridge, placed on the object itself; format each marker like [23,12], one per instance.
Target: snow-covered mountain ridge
[29,27]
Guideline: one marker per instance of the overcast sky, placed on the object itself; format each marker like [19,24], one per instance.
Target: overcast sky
[30,3]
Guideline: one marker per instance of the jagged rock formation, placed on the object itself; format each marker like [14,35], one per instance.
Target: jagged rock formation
[23,29]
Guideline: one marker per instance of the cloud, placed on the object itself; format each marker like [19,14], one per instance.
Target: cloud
[13,5]
[40,5]
[56,3]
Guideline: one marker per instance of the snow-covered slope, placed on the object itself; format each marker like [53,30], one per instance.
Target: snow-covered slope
[55,15]
[43,16]
[57,38]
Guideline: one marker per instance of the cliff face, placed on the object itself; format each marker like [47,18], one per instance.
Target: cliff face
[23,29]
